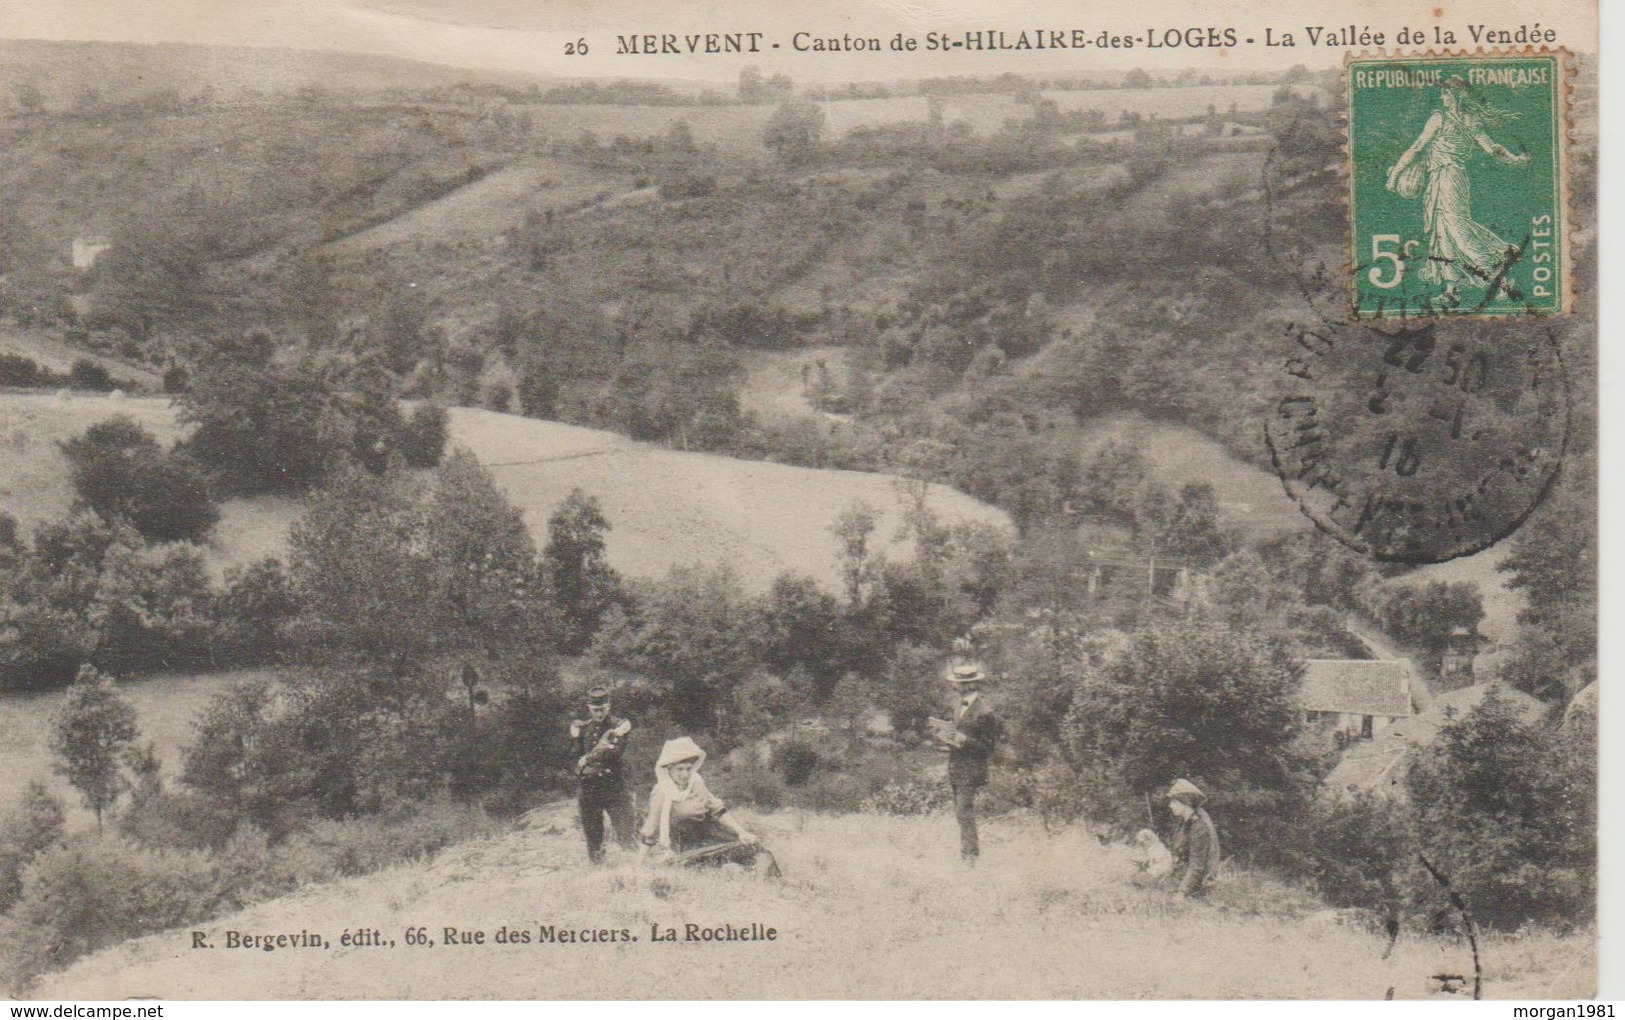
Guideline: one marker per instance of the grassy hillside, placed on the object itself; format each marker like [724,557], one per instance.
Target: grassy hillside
[666,508]
[872,906]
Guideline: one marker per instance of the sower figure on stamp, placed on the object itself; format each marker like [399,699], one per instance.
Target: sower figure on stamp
[969,739]
[1195,844]
[599,744]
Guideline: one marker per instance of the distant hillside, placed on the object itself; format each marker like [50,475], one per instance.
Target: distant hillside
[666,508]
[63,71]
[871,907]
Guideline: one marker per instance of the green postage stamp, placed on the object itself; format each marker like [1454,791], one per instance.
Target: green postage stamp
[1457,184]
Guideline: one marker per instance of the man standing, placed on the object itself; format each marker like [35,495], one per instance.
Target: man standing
[969,741]
[599,743]
[1196,843]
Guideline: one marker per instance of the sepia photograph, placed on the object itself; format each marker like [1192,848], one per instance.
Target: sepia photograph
[518,500]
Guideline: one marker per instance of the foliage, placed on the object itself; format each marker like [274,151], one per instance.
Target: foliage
[92,734]
[426,431]
[795,131]
[695,633]
[253,613]
[796,761]
[392,570]
[579,580]
[119,470]
[909,797]
[1554,562]
[1200,701]
[26,830]
[264,426]
[1507,811]
[1193,532]
[1425,616]
[1358,850]
[88,591]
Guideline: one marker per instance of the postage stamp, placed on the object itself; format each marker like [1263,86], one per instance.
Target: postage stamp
[1457,197]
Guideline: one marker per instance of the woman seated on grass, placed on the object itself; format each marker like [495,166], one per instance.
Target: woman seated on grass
[689,822]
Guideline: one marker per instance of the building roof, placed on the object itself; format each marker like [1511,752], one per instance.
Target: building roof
[1381,763]
[1357,686]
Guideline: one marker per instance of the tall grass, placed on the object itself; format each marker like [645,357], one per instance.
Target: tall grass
[871,906]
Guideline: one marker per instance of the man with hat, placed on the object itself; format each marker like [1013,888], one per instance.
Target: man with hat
[1195,844]
[968,738]
[599,744]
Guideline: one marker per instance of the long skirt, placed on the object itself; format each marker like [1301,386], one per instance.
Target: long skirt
[706,842]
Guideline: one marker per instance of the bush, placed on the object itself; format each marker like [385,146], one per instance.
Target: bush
[796,761]
[90,893]
[1197,700]
[25,831]
[909,797]
[1358,851]
[16,370]
[119,471]
[1507,812]
[423,441]
[87,375]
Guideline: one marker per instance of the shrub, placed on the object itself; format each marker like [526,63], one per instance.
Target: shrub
[908,797]
[16,370]
[119,471]
[1358,850]
[95,892]
[423,441]
[87,375]
[796,761]
[1197,700]
[25,831]
[1506,811]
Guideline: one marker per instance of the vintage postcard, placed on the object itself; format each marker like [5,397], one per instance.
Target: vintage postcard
[515,500]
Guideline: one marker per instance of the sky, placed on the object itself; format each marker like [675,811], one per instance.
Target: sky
[532,35]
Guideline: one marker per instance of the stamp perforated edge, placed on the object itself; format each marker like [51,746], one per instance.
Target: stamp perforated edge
[1565,211]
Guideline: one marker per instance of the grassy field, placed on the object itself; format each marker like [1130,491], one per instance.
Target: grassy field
[871,906]
[666,508]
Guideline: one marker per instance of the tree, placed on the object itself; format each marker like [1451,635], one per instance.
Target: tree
[1426,616]
[802,627]
[427,429]
[579,580]
[1508,812]
[751,85]
[1193,532]
[1555,563]
[264,427]
[795,131]
[695,633]
[93,729]
[119,471]
[853,528]
[1201,701]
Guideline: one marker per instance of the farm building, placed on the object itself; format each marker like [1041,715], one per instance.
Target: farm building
[1356,699]
[1379,764]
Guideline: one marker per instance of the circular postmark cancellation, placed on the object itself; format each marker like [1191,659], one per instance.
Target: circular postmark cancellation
[1419,445]
[1429,420]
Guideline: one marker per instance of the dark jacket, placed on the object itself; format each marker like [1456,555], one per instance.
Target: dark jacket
[603,755]
[1196,853]
[967,765]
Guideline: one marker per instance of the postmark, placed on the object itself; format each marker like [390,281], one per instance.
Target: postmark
[1456,167]
[1419,445]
